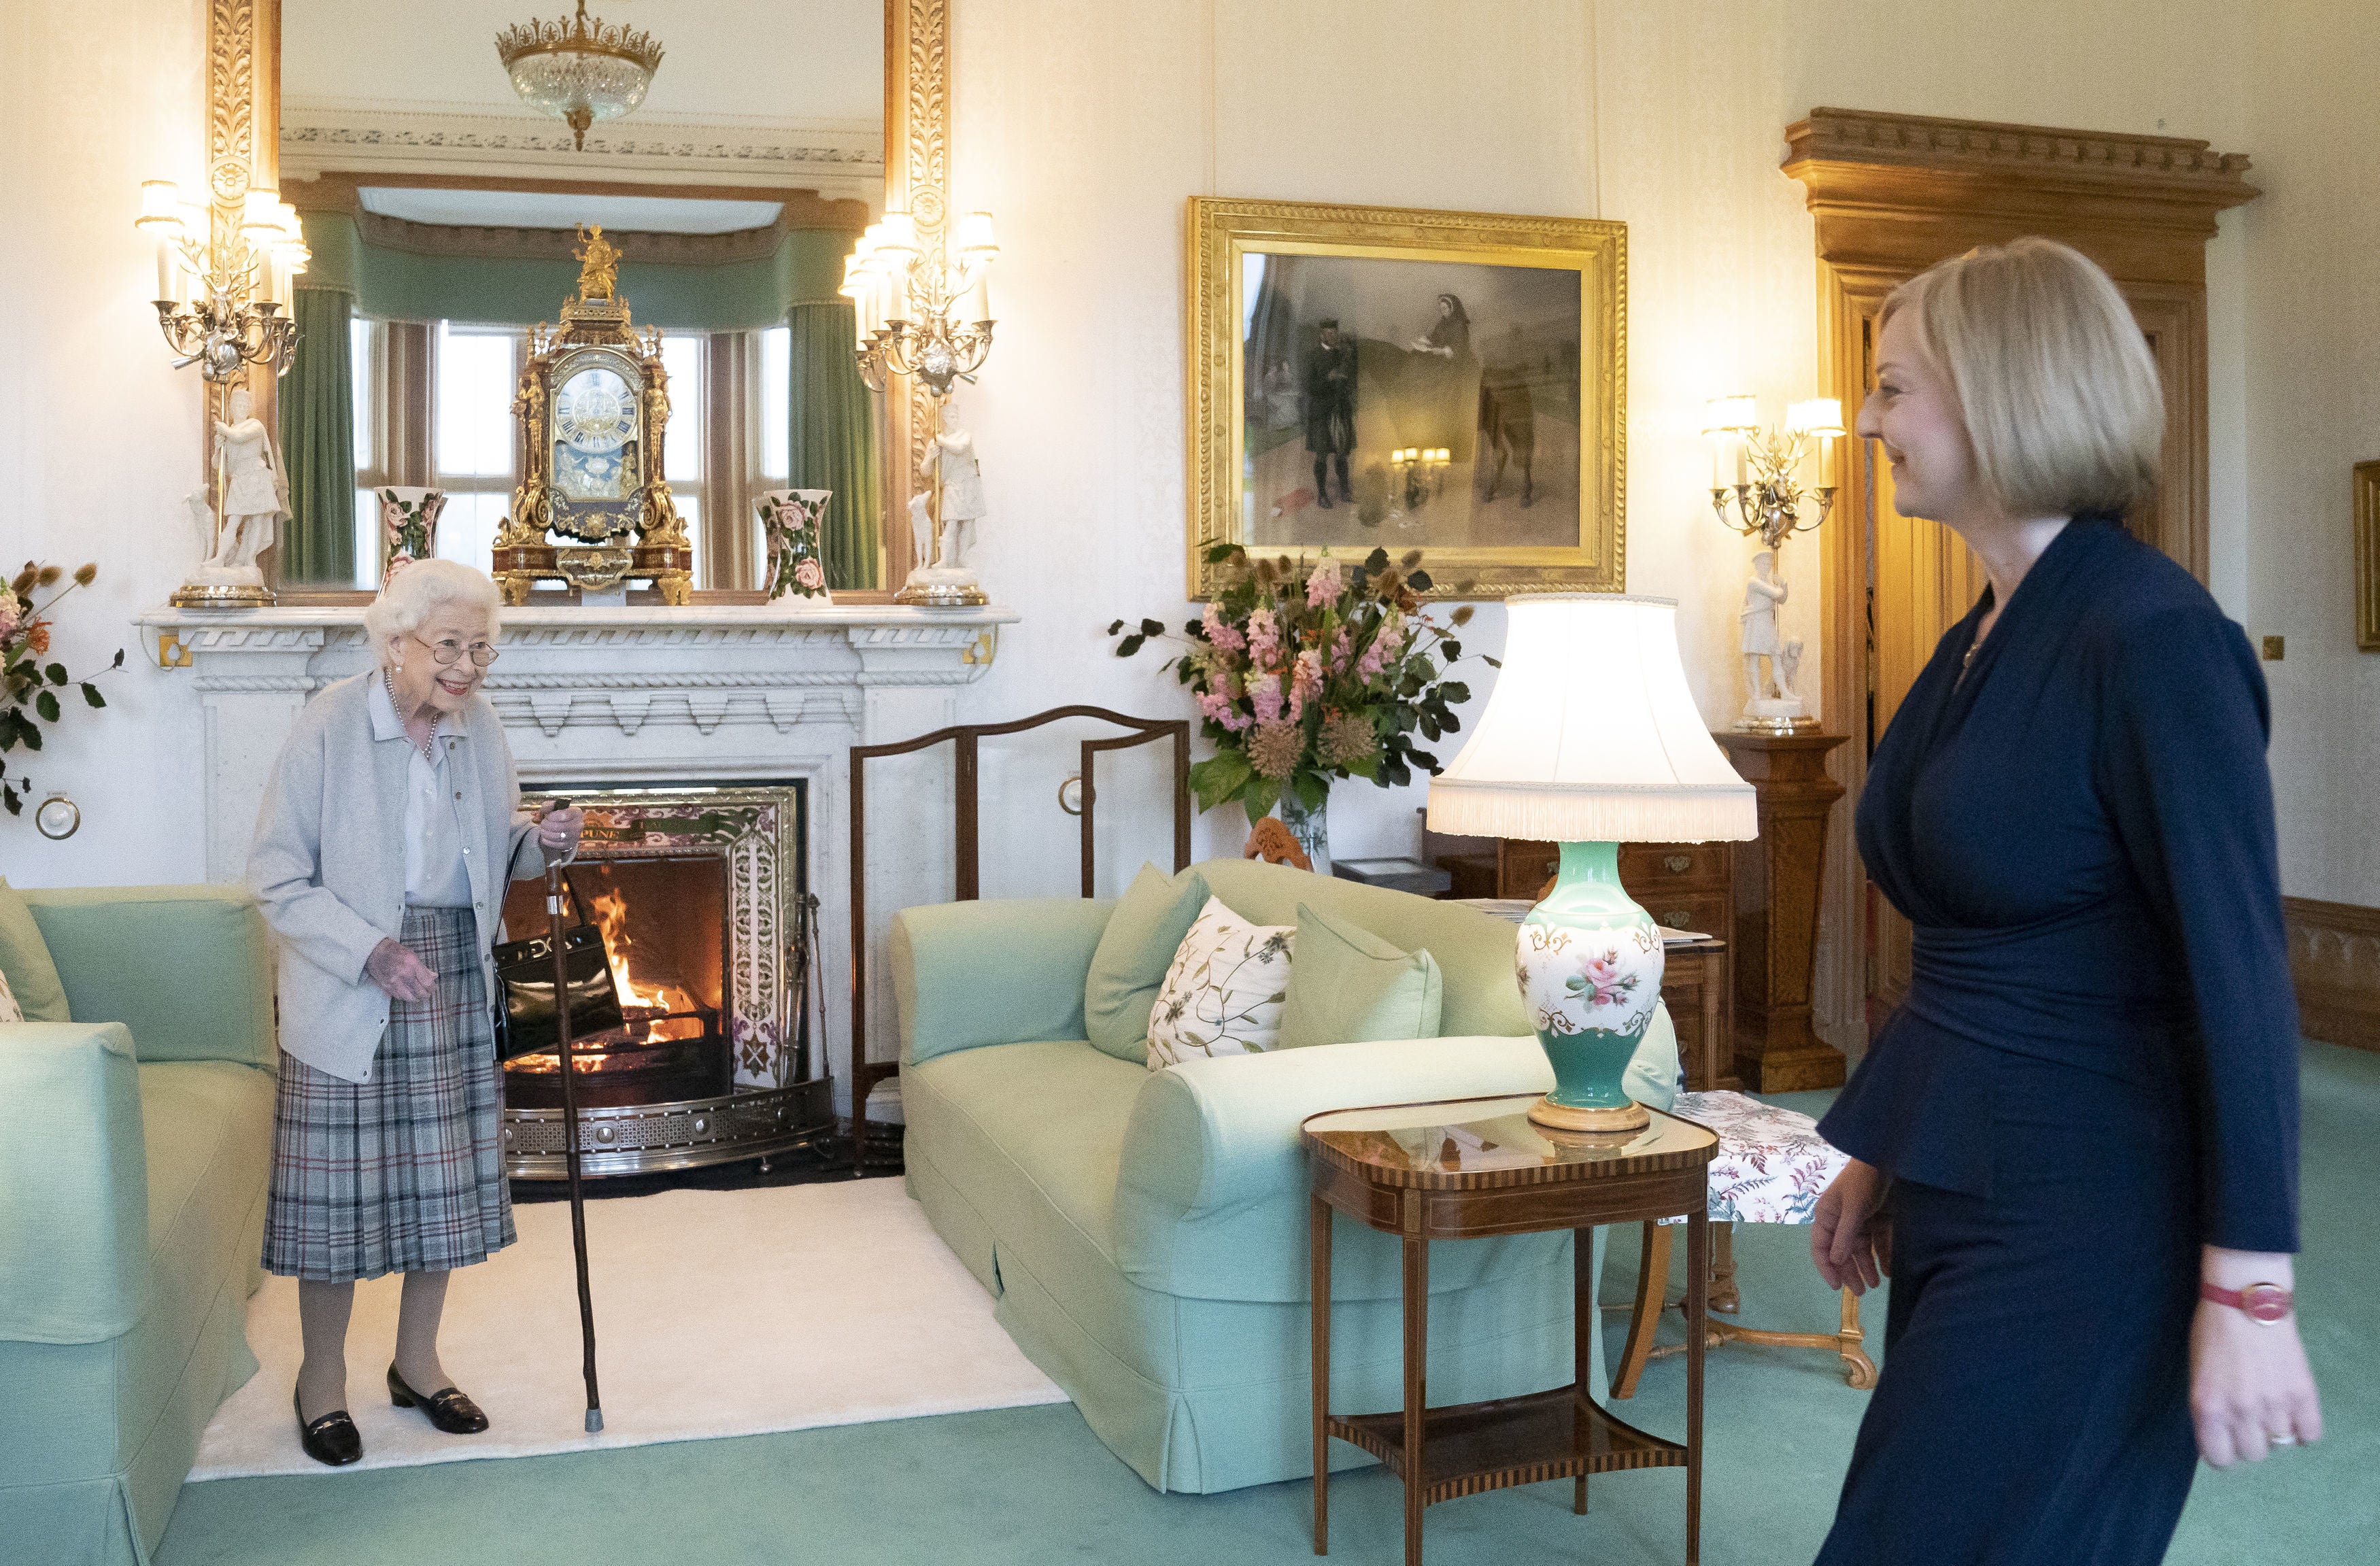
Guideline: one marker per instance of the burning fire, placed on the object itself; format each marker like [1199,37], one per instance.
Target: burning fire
[659,999]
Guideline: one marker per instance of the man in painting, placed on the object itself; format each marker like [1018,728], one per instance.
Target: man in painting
[1330,391]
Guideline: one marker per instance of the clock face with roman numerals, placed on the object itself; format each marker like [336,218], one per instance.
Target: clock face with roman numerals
[595,412]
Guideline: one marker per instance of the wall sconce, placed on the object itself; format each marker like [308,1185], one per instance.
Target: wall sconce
[918,314]
[1761,472]
[1419,477]
[224,279]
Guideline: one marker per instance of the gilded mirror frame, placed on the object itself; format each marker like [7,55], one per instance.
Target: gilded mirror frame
[243,142]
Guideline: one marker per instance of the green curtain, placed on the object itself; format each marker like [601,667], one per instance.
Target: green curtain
[834,440]
[318,442]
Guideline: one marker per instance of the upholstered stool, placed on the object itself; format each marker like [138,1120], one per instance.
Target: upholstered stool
[1771,1166]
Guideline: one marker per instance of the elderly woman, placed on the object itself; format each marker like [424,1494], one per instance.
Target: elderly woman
[390,830]
[2075,1146]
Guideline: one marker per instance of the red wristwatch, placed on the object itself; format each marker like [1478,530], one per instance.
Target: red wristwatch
[2266,1304]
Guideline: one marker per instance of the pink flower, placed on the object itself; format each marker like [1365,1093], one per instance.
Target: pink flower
[808,575]
[1304,681]
[1323,587]
[1267,698]
[1340,644]
[1223,711]
[1220,633]
[9,614]
[1264,638]
[392,515]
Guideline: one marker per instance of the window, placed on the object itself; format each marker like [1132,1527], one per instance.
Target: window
[776,406]
[368,380]
[682,355]
[476,370]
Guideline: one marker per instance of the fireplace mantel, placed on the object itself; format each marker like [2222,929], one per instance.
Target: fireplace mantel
[640,695]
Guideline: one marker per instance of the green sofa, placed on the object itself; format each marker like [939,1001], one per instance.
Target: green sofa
[1145,1232]
[133,1185]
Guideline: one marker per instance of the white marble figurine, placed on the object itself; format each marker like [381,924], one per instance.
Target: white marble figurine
[951,455]
[1770,701]
[256,490]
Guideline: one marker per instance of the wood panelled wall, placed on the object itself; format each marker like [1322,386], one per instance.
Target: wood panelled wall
[2335,957]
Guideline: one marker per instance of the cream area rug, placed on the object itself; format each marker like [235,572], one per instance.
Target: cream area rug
[717,1313]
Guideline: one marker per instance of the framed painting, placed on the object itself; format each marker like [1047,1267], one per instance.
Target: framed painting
[2367,556]
[1366,377]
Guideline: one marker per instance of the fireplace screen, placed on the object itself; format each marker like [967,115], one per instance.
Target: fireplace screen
[698,895]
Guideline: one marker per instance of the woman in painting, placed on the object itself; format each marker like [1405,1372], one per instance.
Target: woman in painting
[1444,380]
[389,829]
[2075,1147]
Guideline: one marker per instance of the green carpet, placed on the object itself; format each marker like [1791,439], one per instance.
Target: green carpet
[1032,1485]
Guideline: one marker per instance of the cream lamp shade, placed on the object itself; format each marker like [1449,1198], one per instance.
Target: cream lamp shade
[1591,734]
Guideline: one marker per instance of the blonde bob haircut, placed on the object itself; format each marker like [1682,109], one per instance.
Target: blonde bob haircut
[2053,376]
[420,590]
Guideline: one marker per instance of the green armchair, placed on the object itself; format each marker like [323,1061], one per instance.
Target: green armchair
[133,1182]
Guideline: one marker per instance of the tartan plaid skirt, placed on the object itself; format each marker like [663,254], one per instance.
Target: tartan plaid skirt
[406,1172]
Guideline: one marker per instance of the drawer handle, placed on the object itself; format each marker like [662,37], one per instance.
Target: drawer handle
[1677,918]
[1678,864]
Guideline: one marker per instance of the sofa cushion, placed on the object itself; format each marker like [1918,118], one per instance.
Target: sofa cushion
[1474,949]
[1134,953]
[25,958]
[187,968]
[1349,985]
[1225,992]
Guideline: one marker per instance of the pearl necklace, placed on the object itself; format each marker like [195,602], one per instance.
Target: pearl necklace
[388,679]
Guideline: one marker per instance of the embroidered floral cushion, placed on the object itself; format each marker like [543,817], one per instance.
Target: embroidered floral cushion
[1772,1165]
[1225,992]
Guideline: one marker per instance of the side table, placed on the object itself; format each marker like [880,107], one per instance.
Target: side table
[1464,1167]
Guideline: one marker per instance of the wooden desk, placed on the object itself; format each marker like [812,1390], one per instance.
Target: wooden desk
[1466,1168]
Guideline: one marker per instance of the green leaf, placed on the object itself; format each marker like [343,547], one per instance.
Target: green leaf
[1152,628]
[1129,646]
[46,704]
[1218,553]
[1453,649]
[1114,626]
[1491,663]
[15,806]
[1259,796]
[58,673]
[29,732]
[1376,561]
[119,659]
[1221,777]
[91,695]
[1455,691]
[1312,788]
[1420,580]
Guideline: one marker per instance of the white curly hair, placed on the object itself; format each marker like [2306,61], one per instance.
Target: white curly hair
[421,590]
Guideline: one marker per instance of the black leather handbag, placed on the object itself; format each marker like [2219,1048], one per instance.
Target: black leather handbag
[527,1022]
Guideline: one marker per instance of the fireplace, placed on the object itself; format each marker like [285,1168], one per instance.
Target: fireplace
[699,894]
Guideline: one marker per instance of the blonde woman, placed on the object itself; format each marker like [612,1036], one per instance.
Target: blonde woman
[390,830]
[2075,1147]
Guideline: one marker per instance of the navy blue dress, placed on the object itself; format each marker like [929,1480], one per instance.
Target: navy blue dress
[2095,1073]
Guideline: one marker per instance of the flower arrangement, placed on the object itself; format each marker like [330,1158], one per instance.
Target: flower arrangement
[1303,675]
[28,688]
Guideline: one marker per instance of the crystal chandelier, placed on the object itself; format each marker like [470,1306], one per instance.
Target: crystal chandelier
[579,71]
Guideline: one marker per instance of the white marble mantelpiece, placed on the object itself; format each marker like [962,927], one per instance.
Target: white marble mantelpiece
[621,696]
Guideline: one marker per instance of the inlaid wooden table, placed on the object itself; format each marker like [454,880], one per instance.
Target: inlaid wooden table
[1466,1168]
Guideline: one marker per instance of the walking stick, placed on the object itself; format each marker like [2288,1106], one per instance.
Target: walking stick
[570,1131]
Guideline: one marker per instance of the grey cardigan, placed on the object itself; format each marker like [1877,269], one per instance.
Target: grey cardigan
[328,862]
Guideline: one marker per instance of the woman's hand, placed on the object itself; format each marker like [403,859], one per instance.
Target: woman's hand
[2250,1386]
[400,973]
[1849,1238]
[558,830]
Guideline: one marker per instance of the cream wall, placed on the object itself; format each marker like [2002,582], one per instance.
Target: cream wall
[2312,396]
[1086,123]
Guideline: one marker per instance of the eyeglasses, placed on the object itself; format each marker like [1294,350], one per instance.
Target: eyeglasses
[446,652]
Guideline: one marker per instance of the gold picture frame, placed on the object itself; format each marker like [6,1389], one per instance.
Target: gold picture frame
[1420,425]
[2367,556]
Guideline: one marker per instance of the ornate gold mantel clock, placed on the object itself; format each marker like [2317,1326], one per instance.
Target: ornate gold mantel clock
[593,509]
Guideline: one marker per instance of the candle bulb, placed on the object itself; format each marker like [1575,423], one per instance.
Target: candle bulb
[1742,458]
[1825,461]
[167,281]
[978,296]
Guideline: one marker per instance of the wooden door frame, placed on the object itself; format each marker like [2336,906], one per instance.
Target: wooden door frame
[1892,194]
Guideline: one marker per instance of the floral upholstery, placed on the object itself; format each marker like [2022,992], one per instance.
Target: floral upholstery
[1771,1163]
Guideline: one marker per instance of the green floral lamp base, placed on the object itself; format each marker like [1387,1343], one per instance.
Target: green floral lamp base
[1590,969]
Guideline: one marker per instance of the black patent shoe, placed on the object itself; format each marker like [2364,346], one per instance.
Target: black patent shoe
[451,1411]
[331,1440]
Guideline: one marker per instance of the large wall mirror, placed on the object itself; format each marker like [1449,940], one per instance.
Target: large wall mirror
[443,211]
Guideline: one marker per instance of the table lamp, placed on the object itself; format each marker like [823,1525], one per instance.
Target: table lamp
[1591,739]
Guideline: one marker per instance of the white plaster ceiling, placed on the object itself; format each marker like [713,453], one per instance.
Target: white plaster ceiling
[723,60]
[526,208]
